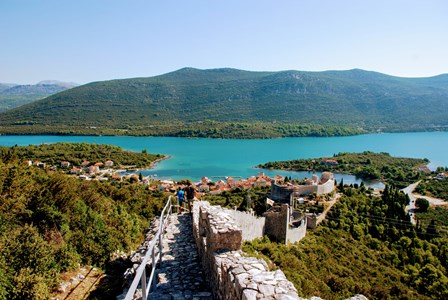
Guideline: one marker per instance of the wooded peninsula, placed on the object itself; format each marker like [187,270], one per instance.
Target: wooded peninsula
[367,165]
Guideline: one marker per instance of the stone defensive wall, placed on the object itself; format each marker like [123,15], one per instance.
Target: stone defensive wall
[319,189]
[326,187]
[284,192]
[231,274]
[253,227]
[275,223]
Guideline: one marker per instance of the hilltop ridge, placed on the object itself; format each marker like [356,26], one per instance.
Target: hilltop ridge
[14,95]
[355,98]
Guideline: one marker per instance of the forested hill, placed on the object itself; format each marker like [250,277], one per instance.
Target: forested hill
[368,100]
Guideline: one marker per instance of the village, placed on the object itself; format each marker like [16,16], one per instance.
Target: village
[108,171]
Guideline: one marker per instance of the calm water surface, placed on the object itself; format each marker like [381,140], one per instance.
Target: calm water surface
[194,158]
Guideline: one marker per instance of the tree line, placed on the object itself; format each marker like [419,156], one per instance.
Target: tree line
[203,129]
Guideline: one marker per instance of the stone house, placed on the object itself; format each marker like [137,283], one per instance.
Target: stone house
[330,162]
[39,164]
[203,188]
[94,169]
[75,170]
[442,176]
[65,164]
[116,177]
[261,182]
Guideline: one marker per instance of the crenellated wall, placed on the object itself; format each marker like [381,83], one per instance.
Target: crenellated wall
[232,275]
[282,192]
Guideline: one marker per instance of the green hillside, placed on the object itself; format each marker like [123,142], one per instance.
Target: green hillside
[181,100]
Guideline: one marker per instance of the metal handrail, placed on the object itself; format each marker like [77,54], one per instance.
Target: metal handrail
[140,275]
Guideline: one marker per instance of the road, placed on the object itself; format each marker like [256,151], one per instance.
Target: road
[411,207]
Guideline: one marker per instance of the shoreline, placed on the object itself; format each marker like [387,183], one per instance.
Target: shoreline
[151,165]
[379,180]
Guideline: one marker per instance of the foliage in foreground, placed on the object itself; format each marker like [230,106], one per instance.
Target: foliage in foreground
[51,223]
[396,171]
[367,246]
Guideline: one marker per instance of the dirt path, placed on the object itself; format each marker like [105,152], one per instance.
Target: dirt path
[332,202]
[79,284]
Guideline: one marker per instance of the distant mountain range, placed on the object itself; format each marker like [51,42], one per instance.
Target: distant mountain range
[14,95]
[366,100]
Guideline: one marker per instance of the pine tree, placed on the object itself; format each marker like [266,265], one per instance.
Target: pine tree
[431,230]
[341,185]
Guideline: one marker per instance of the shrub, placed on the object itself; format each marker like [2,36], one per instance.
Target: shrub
[422,204]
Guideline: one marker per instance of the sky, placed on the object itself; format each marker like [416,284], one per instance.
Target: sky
[92,40]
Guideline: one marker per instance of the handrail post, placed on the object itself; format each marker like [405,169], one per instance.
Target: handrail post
[162,227]
[143,283]
[153,257]
[160,246]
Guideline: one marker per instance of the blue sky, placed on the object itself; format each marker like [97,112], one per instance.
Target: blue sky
[83,41]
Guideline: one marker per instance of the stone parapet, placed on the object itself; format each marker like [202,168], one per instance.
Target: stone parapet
[220,229]
[231,274]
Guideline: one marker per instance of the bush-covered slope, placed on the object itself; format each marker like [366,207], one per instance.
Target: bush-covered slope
[351,98]
[367,246]
[51,223]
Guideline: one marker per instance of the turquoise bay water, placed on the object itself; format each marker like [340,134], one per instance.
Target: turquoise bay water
[194,158]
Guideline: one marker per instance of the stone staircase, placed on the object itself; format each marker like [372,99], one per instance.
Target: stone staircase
[180,274]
